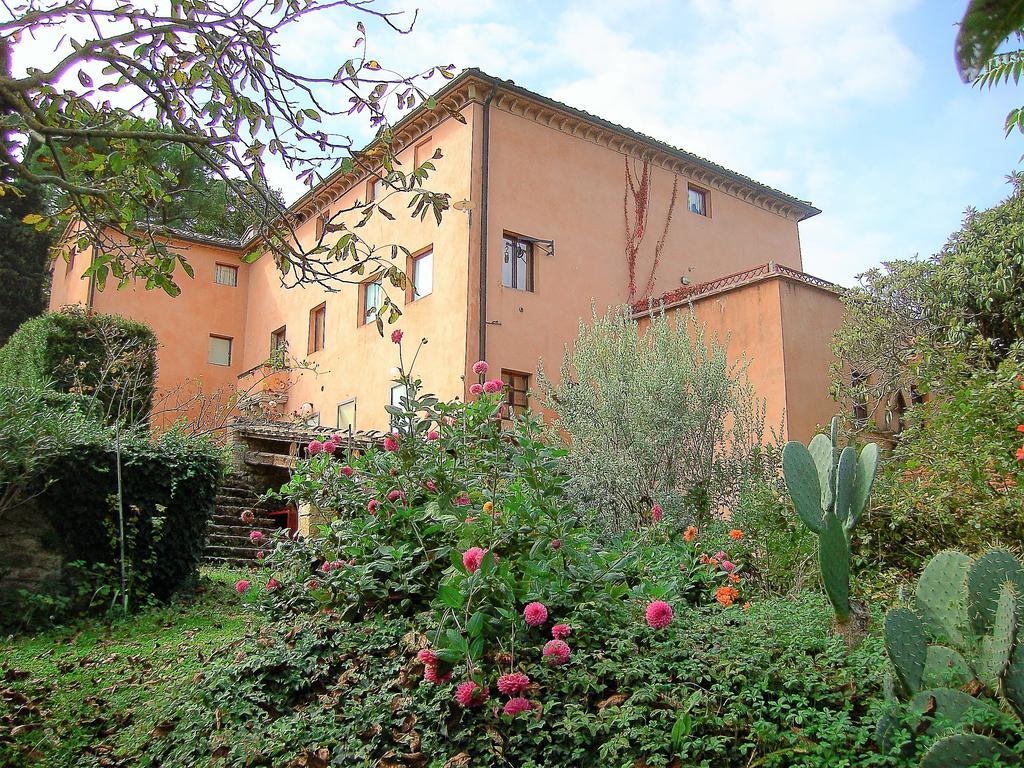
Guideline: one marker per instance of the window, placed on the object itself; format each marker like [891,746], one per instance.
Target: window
[225,274]
[517,263]
[517,388]
[220,350]
[278,340]
[321,225]
[697,201]
[376,188]
[422,275]
[317,327]
[858,383]
[420,152]
[373,297]
[398,392]
[347,415]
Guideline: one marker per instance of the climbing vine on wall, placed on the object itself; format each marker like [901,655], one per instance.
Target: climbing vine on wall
[638,187]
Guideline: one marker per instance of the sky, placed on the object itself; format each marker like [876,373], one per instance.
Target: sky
[855,107]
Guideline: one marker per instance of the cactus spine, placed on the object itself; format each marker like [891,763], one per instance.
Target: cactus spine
[830,489]
[965,633]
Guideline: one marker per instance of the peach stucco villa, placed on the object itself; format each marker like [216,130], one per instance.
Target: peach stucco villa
[561,210]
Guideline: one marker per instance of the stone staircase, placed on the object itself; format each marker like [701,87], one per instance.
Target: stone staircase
[227,537]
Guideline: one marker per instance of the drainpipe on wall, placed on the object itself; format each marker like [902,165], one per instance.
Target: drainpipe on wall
[485,153]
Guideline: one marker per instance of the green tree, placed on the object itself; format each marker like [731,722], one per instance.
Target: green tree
[933,322]
[24,257]
[209,77]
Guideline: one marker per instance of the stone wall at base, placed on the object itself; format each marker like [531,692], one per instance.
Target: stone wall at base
[28,556]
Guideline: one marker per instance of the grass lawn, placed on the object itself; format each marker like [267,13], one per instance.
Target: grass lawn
[79,696]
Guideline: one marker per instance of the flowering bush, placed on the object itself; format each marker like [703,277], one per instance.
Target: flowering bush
[460,512]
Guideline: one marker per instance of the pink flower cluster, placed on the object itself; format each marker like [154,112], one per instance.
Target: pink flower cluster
[469,694]
[396,495]
[473,557]
[429,660]
[332,565]
[512,683]
[241,586]
[493,386]
[391,443]
[330,445]
[659,614]
[255,536]
[396,336]
[556,651]
[656,513]
[535,614]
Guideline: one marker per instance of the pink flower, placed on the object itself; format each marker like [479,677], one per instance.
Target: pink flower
[248,517]
[315,446]
[472,558]
[494,385]
[256,536]
[396,336]
[313,584]
[260,555]
[431,676]
[513,683]
[462,499]
[427,656]
[395,495]
[659,614]
[556,544]
[556,651]
[327,566]
[346,471]
[391,443]
[433,435]
[330,446]
[656,513]
[337,564]
[535,614]
[372,506]
[470,694]
[560,631]
[272,584]
[517,705]
[241,585]
[431,486]
[480,367]
[476,389]
[728,566]
[720,555]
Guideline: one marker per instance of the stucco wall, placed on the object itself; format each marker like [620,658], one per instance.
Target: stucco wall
[547,184]
[356,361]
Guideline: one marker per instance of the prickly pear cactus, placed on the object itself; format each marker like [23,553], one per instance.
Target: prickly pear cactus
[966,634]
[830,489]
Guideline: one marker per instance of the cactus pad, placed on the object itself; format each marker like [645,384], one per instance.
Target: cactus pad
[834,559]
[985,581]
[820,449]
[846,474]
[940,598]
[907,646]
[951,708]
[997,646]
[945,668]
[965,750]
[867,464]
[1013,680]
[803,484]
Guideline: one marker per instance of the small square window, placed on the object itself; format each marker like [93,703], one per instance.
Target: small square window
[517,391]
[697,201]
[398,393]
[279,340]
[422,274]
[219,350]
[347,415]
[225,274]
[317,328]
[517,263]
[373,297]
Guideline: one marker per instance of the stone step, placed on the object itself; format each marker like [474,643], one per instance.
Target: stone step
[259,521]
[239,553]
[241,530]
[231,562]
[237,540]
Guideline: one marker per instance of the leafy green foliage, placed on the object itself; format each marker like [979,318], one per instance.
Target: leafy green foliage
[654,417]
[985,25]
[930,324]
[169,489]
[24,257]
[109,360]
[953,476]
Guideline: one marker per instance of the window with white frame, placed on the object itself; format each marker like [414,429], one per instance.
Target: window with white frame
[347,415]
[225,274]
[373,297]
[398,393]
[422,275]
[517,263]
[219,350]
[697,200]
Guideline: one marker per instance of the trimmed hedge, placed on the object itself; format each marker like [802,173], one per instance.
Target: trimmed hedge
[73,349]
[169,489]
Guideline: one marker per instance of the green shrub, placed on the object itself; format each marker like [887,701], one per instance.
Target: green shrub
[169,488]
[953,477]
[107,359]
[768,687]
[660,417]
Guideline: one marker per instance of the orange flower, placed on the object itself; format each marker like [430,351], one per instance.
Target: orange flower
[736,534]
[704,559]
[734,578]
[746,606]
[690,534]
[1020,453]
[1020,427]
[488,506]
[726,596]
